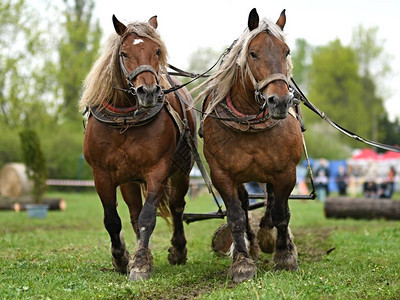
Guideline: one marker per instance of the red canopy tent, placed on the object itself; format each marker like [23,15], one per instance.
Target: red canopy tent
[366,154]
[390,155]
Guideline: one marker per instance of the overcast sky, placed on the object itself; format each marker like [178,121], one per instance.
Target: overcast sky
[187,25]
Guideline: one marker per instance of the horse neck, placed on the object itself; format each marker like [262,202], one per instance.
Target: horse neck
[242,95]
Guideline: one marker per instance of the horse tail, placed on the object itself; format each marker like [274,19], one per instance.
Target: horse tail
[164,210]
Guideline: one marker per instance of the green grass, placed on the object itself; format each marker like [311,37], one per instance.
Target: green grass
[67,256]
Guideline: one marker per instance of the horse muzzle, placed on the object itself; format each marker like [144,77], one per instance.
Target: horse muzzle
[279,106]
[148,96]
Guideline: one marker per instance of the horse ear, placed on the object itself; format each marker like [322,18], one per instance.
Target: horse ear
[282,19]
[153,22]
[119,27]
[253,19]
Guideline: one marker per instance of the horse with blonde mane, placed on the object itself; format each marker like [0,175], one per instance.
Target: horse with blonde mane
[251,133]
[136,138]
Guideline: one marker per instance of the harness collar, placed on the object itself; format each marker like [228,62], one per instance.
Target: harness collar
[119,110]
[124,118]
[241,115]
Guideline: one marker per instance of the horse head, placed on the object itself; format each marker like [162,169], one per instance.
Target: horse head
[267,60]
[139,59]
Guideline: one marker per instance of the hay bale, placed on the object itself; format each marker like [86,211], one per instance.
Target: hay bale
[222,239]
[13,181]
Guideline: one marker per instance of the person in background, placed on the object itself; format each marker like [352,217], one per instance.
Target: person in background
[341,181]
[391,177]
[385,190]
[321,183]
[323,172]
[370,189]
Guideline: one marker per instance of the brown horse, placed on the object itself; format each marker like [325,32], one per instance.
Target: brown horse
[135,138]
[249,136]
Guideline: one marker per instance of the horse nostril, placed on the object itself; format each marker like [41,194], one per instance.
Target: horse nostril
[144,92]
[141,91]
[272,101]
[289,100]
[156,91]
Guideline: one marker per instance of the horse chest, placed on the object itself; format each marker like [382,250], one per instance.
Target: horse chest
[131,153]
[253,156]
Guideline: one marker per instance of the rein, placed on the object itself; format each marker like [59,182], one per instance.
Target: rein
[299,94]
[192,75]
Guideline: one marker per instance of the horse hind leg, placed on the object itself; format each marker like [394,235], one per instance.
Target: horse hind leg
[132,194]
[177,191]
[267,233]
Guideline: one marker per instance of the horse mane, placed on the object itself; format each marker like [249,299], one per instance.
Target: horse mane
[223,79]
[106,74]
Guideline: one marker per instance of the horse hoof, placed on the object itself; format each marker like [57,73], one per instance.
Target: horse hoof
[177,257]
[242,269]
[121,264]
[140,265]
[138,276]
[286,260]
[267,239]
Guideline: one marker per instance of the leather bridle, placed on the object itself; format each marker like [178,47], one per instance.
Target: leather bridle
[132,75]
[261,85]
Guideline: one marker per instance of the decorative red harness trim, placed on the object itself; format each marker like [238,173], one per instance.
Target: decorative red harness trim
[238,113]
[119,110]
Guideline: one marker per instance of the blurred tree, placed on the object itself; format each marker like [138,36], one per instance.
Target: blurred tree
[323,141]
[77,51]
[301,58]
[391,129]
[336,87]
[199,62]
[25,80]
[374,67]
[35,163]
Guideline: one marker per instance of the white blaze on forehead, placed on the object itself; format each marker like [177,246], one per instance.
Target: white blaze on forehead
[137,41]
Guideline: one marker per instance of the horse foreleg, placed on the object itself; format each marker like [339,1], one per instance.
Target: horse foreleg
[112,222]
[244,198]
[266,235]
[141,263]
[242,267]
[285,257]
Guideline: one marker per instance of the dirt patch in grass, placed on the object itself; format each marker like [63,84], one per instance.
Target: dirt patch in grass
[311,243]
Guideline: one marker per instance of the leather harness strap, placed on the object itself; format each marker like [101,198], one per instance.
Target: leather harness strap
[142,68]
[274,77]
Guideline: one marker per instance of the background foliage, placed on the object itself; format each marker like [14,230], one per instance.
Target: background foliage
[33,158]
[42,74]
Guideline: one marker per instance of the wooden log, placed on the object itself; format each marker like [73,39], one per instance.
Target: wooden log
[362,208]
[54,204]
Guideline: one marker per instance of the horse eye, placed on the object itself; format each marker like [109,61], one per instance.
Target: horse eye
[124,55]
[158,52]
[288,53]
[253,54]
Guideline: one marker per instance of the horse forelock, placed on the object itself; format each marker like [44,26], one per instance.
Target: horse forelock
[105,74]
[222,80]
